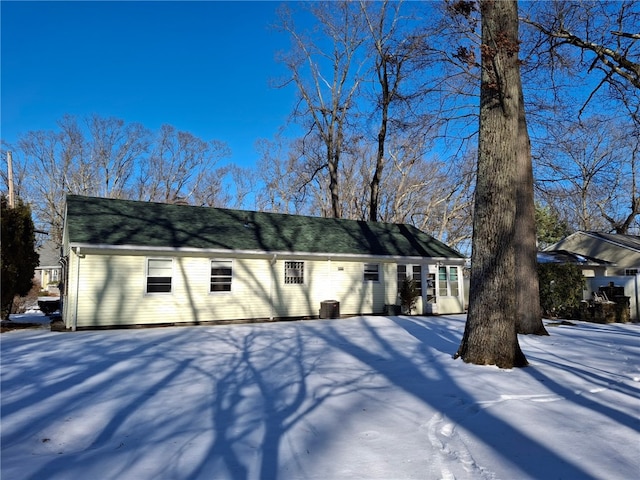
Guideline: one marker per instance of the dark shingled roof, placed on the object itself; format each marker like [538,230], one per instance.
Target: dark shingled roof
[102,221]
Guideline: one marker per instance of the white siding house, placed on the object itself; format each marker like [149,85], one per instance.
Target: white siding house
[140,263]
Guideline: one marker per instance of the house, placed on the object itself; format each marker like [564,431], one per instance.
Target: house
[141,263]
[48,272]
[622,252]
[609,260]
[590,266]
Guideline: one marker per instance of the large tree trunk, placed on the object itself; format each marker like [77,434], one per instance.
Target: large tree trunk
[527,289]
[490,335]
[382,138]
[336,211]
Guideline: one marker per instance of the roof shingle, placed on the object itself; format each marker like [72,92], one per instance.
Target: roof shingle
[101,221]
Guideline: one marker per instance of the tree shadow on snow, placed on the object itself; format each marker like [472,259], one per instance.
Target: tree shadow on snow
[531,457]
[226,401]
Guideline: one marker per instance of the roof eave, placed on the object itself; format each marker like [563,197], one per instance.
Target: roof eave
[254,253]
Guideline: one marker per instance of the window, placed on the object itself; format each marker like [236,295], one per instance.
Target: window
[448,285]
[417,277]
[159,273]
[54,275]
[443,290]
[415,274]
[221,275]
[431,288]
[293,272]
[631,271]
[371,272]
[402,274]
[453,281]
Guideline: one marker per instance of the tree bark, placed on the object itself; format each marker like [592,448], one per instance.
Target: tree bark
[490,336]
[527,288]
[382,136]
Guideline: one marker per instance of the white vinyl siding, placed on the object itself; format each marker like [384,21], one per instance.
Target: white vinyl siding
[112,289]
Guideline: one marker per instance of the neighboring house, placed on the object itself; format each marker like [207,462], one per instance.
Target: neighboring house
[141,263]
[619,259]
[48,272]
[590,267]
[621,251]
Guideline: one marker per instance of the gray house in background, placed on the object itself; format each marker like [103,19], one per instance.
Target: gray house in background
[607,258]
[49,271]
[620,252]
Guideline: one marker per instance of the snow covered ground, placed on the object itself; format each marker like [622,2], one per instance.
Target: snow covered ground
[356,398]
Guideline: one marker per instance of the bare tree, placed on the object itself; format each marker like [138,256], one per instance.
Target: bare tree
[490,334]
[281,172]
[107,157]
[464,62]
[326,81]
[57,166]
[177,166]
[115,148]
[529,311]
[602,35]
[587,169]
[621,223]
[398,57]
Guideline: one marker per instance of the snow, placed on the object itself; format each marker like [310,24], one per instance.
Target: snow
[357,398]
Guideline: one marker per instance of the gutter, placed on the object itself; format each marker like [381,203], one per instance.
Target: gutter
[74,325]
[227,251]
[272,263]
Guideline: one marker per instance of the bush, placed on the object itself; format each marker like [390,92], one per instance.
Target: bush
[561,289]
[408,295]
[18,255]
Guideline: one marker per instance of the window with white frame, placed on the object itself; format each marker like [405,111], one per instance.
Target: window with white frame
[416,274]
[221,275]
[159,275]
[54,275]
[631,271]
[431,288]
[293,272]
[413,272]
[371,272]
[402,274]
[448,285]
[454,286]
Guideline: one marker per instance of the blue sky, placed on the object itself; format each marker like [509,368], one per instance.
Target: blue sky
[203,67]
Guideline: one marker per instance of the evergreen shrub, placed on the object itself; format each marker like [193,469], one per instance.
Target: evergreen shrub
[561,289]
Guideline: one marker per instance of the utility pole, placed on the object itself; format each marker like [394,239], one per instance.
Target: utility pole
[12,199]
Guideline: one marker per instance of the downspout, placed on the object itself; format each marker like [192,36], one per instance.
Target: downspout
[636,293]
[330,280]
[74,325]
[272,262]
